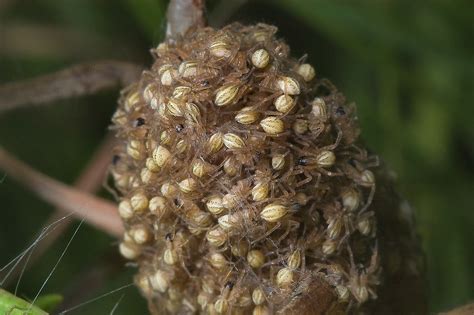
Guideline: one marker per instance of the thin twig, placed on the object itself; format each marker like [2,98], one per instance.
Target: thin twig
[182,15]
[63,43]
[79,80]
[95,211]
[90,180]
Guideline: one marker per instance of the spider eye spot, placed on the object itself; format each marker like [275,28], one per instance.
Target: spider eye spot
[139,122]
[115,159]
[179,128]
[340,111]
[302,161]
[351,161]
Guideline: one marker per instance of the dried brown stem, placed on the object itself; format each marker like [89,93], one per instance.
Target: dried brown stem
[95,211]
[5,3]
[64,43]
[90,180]
[182,15]
[83,79]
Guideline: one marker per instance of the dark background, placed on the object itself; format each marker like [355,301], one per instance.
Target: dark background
[407,64]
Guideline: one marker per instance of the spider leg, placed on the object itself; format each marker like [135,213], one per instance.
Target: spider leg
[292,225]
[318,180]
[286,190]
[308,179]
[96,211]
[267,233]
[272,262]
[372,293]
[351,257]
[336,143]
[370,198]
[78,80]
[347,233]
[373,161]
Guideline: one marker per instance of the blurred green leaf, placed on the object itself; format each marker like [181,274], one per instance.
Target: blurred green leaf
[49,302]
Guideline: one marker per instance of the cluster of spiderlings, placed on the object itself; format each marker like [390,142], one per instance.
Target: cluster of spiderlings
[241,177]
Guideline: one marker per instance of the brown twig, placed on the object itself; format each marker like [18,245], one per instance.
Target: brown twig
[4,4]
[182,15]
[97,212]
[89,181]
[79,80]
[63,43]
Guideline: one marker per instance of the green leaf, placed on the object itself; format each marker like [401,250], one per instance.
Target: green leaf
[49,302]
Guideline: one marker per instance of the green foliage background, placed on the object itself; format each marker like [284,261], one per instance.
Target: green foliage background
[407,64]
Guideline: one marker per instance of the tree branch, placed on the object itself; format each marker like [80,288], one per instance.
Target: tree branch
[97,212]
[90,180]
[182,15]
[79,80]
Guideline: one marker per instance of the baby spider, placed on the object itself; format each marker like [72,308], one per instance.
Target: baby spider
[362,280]
[362,176]
[339,223]
[316,162]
